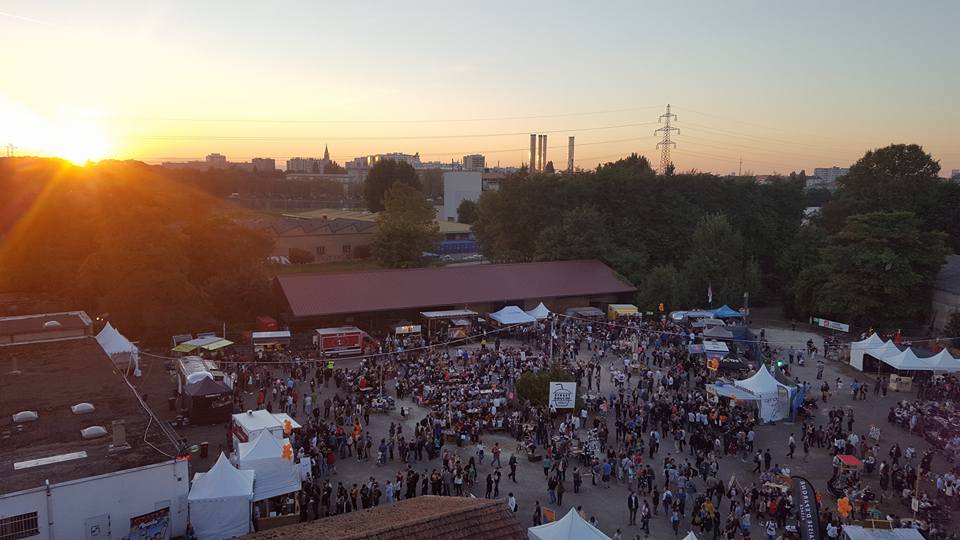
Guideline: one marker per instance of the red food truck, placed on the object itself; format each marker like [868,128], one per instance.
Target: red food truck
[343,341]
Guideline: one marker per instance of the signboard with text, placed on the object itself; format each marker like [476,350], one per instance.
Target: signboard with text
[563,395]
[833,325]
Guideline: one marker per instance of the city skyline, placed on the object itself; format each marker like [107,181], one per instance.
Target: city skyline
[784,87]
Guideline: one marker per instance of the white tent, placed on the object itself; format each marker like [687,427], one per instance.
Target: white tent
[690,536]
[512,315]
[944,361]
[774,395]
[275,475]
[220,501]
[569,527]
[856,532]
[539,312]
[119,348]
[907,359]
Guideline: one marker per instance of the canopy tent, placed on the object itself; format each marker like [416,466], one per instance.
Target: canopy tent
[207,401]
[726,312]
[275,473]
[774,395]
[512,315]
[207,343]
[586,312]
[901,360]
[569,527]
[733,392]
[690,536]
[119,348]
[707,323]
[539,312]
[206,387]
[247,425]
[856,532]
[621,310]
[718,332]
[220,501]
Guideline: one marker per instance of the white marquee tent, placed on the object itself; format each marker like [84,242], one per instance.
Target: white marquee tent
[539,312]
[512,315]
[119,348]
[772,393]
[569,527]
[888,353]
[220,501]
[274,474]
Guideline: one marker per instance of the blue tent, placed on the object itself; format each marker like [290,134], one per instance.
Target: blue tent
[726,312]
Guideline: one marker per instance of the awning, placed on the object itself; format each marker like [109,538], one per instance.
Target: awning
[208,343]
[448,314]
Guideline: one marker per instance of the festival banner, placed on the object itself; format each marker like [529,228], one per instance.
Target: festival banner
[152,526]
[807,508]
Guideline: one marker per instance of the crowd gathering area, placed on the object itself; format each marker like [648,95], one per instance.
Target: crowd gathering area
[662,442]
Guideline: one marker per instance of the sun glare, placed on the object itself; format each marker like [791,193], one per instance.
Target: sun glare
[76,135]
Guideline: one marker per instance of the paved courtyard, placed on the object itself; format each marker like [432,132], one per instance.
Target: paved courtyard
[609,505]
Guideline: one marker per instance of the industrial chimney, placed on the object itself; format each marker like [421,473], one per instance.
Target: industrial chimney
[570,155]
[539,153]
[544,158]
[533,153]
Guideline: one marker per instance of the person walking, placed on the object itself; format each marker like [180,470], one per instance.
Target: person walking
[633,504]
[791,445]
[537,515]
[560,491]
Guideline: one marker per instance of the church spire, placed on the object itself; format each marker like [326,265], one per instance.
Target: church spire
[326,153]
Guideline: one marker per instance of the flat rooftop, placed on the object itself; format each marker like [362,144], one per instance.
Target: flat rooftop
[53,377]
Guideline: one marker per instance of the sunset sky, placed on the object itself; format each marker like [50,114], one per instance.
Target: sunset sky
[788,86]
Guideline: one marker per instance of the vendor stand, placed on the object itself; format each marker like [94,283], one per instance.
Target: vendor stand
[270,341]
[449,324]
[616,311]
[586,312]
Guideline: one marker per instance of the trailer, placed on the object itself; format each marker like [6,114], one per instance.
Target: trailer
[343,341]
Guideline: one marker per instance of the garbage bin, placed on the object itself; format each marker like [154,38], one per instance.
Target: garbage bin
[172,403]
[203,449]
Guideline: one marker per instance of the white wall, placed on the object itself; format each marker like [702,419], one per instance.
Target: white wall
[121,495]
[457,187]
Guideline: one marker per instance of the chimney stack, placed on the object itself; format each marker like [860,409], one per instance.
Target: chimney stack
[539,153]
[544,159]
[533,153]
[570,155]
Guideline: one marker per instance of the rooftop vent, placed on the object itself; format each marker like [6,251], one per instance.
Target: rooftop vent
[83,408]
[119,436]
[93,432]
[25,416]
[52,325]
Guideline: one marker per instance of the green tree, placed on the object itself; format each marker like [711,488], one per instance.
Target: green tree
[467,212]
[802,252]
[876,271]
[952,328]
[406,228]
[718,261]
[333,167]
[384,174]
[301,256]
[663,284]
[535,387]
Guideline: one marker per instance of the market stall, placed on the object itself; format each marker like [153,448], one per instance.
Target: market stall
[616,311]
[248,425]
[204,343]
[774,395]
[511,315]
[207,402]
[726,312]
[587,312]
[276,340]
[219,501]
[569,527]
[272,461]
[449,324]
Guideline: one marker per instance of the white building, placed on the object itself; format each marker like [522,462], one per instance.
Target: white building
[474,162]
[58,477]
[459,186]
[829,175]
[306,165]
[263,164]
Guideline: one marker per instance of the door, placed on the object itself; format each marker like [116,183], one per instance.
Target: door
[97,527]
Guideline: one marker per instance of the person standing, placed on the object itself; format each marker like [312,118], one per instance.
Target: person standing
[513,468]
[577,479]
[537,515]
[633,504]
[560,491]
[511,502]
[791,445]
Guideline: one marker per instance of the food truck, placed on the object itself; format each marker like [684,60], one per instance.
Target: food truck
[343,341]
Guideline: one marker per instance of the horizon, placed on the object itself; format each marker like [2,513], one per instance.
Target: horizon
[787,88]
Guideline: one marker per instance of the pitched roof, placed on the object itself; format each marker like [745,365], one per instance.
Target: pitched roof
[422,518]
[358,292]
[948,278]
[54,376]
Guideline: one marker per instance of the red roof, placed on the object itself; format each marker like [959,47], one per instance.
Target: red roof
[359,292]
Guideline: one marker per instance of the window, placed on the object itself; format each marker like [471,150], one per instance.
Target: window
[321,250]
[22,526]
[347,249]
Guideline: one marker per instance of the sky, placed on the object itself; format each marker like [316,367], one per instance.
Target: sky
[783,86]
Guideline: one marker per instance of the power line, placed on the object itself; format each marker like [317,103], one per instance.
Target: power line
[665,144]
[372,138]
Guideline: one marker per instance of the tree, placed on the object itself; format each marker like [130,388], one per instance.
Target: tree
[333,167]
[876,271]
[535,387]
[384,174]
[548,168]
[467,212]
[718,261]
[663,284]
[952,328]
[802,252]
[406,228]
[301,256]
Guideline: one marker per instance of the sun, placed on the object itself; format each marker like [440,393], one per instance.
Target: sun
[75,133]
[79,141]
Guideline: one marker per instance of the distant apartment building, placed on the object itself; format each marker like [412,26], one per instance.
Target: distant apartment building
[474,162]
[828,176]
[216,161]
[263,164]
[955,174]
[306,165]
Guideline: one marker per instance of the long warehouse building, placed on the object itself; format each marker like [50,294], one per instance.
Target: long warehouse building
[375,299]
